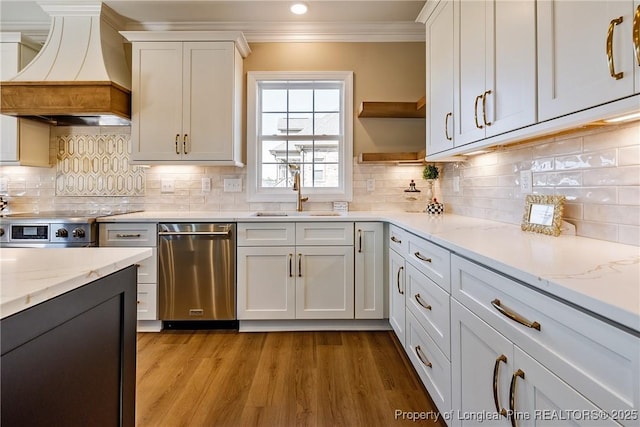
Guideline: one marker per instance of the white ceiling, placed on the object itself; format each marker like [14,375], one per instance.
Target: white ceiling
[260,20]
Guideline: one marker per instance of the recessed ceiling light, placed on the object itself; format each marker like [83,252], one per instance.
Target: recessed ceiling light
[299,8]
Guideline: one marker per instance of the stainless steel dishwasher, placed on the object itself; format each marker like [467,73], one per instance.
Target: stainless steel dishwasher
[197,271]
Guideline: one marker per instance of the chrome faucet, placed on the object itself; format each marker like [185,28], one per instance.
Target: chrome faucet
[295,170]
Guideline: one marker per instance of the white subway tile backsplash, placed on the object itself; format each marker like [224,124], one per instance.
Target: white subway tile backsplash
[597,169]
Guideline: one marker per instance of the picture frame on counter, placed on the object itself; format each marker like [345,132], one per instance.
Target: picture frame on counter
[543,214]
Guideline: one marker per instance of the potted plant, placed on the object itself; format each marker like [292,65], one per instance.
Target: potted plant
[430,174]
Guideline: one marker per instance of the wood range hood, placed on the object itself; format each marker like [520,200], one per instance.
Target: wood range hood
[81,75]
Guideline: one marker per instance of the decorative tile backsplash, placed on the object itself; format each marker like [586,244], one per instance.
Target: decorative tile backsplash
[597,169]
[97,165]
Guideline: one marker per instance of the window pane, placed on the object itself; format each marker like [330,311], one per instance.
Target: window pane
[274,151]
[300,124]
[274,123]
[301,100]
[274,100]
[326,175]
[275,175]
[327,100]
[327,124]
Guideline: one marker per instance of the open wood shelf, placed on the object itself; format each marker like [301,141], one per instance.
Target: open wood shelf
[414,110]
[413,157]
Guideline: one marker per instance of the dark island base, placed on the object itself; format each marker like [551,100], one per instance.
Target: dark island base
[72,360]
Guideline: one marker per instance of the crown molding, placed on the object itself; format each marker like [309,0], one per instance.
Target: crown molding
[256,32]
[36,31]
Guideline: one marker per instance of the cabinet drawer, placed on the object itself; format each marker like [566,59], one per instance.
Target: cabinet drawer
[148,268]
[432,366]
[147,301]
[324,233]
[430,306]
[398,239]
[432,260]
[599,360]
[266,234]
[128,234]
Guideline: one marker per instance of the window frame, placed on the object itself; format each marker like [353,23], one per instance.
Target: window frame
[256,193]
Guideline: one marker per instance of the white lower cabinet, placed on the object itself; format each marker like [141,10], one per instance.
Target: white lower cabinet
[295,281]
[369,271]
[396,294]
[519,352]
[496,382]
[138,235]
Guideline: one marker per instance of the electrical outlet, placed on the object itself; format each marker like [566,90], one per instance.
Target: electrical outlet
[233,185]
[4,185]
[456,184]
[371,184]
[167,186]
[526,181]
[206,185]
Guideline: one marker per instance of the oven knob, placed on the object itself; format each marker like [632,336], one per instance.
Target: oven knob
[78,233]
[62,232]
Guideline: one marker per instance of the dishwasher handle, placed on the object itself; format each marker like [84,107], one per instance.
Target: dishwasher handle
[195,233]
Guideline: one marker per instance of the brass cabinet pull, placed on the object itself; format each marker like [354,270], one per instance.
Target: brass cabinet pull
[612,67]
[395,239]
[475,112]
[184,143]
[496,400]
[177,136]
[398,280]
[421,257]
[422,302]
[360,241]
[514,316]
[446,126]
[512,395]
[484,107]
[290,265]
[422,357]
[636,34]
[299,265]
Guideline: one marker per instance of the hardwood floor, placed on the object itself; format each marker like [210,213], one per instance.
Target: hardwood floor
[216,378]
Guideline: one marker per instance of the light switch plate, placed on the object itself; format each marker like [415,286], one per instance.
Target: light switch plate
[371,184]
[526,181]
[206,185]
[233,185]
[167,186]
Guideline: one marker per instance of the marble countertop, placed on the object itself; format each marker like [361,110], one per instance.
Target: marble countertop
[29,276]
[599,276]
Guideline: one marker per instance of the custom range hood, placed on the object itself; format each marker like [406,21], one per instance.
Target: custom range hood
[80,77]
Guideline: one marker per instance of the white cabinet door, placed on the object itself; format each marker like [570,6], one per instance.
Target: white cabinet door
[369,271]
[156,127]
[324,282]
[185,102]
[481,366]
[266,283]
[541,398]
[208,89]
[495,68]
[34,149]
[574,70]
[396,295]
[440,72]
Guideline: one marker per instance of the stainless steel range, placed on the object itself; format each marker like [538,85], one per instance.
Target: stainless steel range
[50,229]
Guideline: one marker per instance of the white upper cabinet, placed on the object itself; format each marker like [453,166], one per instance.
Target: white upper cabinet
[586,54]
[22,142]
[187,97]
[440,71]
[495,68]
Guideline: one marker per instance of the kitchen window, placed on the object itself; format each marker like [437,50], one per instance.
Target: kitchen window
[304,119]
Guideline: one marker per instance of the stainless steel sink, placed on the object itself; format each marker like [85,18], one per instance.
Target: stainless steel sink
[299,214]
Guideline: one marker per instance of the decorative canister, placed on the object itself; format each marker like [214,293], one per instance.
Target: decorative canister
[435,208]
